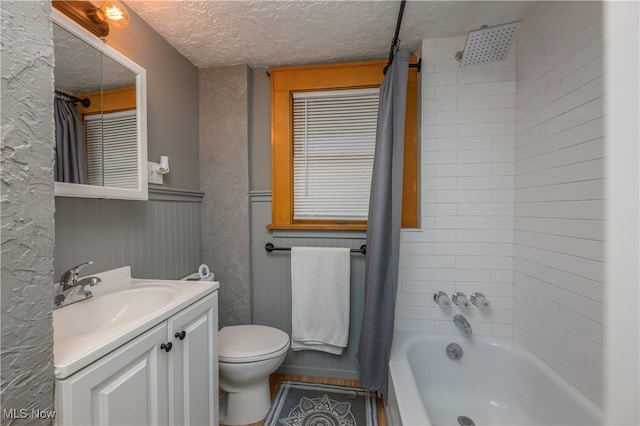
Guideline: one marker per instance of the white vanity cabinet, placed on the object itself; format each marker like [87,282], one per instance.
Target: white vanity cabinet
[141,383]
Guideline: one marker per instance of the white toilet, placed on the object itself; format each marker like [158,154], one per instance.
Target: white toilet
[247,355]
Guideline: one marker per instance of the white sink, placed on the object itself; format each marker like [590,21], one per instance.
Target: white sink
[111,309]
[121,309]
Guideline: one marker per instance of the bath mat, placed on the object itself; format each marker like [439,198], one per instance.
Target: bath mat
[308,404]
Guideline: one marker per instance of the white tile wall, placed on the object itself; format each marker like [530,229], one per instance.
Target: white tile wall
[559,191]
[466,240]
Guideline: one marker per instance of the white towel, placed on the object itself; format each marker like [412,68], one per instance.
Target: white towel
[320,298]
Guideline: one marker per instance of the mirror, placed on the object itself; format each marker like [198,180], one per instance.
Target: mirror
[100,117]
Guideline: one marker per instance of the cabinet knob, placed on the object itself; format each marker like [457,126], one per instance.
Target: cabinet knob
[166,346]
[180,335]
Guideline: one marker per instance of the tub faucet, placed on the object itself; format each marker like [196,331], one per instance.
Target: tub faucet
[463,325]
[71,289]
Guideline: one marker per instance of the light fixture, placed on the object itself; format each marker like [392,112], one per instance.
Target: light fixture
[95,19]
[114,13]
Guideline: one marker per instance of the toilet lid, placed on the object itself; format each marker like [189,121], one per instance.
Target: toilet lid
[238,343]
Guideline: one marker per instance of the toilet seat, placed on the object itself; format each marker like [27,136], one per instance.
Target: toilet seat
[250,343]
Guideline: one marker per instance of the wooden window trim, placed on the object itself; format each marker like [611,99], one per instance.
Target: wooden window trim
[286,81]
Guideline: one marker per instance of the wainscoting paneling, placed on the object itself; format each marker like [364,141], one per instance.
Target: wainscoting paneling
[158,239]
[271,278]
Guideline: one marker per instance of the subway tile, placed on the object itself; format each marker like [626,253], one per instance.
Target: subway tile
[503,141]
[462,248]
[591,269]
[501,249]
[426,287]
[427,261]
[578,284]
[440,183]
[439,209]
[416,274]
[407,248]
[463,169]
[581,324]
[488,182]
[472,75]
[485,209]
[589,368]
[490,101]
[468,222]
[594,310]
[486,156]
[593,169]
[584,151]
[439,79]
[531,326]
[436,105]
[464,196]
[502,291]
[484,262]
[490,236]
[590,348]
[440,157]
[501,330]
[424,326]
[486,129]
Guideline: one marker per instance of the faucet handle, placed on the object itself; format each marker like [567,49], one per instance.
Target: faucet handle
[459,299]
[71,275]
[480,301]
[442,299]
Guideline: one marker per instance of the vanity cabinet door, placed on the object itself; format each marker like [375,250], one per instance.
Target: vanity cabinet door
[193,369]
[126,387]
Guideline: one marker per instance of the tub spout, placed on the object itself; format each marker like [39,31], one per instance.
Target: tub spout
[463,325]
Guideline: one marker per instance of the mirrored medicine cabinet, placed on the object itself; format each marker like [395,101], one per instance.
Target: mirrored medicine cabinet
[100,117]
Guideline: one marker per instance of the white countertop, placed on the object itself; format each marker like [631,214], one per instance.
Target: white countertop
[71,354]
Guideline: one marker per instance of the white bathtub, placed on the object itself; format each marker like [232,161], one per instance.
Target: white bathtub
[496,382]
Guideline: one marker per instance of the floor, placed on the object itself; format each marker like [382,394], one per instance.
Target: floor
[276,379]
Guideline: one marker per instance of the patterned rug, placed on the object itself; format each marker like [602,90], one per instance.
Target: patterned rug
[314,404]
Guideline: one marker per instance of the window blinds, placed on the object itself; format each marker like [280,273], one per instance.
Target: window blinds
[112,149]
[334,136]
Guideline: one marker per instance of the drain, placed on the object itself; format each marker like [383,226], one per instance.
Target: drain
[466,421]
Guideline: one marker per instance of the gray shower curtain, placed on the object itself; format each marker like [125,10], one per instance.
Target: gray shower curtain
[383,229]
[71,152]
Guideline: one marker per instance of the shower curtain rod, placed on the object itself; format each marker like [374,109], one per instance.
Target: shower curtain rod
[86,102]
[395,43]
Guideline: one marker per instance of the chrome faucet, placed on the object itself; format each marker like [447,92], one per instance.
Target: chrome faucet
[463,325]
[71,289]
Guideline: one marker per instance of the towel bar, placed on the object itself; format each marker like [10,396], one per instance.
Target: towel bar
[270,247]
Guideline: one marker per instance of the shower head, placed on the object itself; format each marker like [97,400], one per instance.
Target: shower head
[487,44]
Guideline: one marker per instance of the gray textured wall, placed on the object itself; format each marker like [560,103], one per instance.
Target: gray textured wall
[224,177]
[260,131]
[27,206]
[172,99]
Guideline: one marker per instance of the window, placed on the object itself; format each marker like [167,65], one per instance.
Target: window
[323,122]
[334,135]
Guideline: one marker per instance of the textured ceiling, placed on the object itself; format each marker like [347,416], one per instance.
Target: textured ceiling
[273,33]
